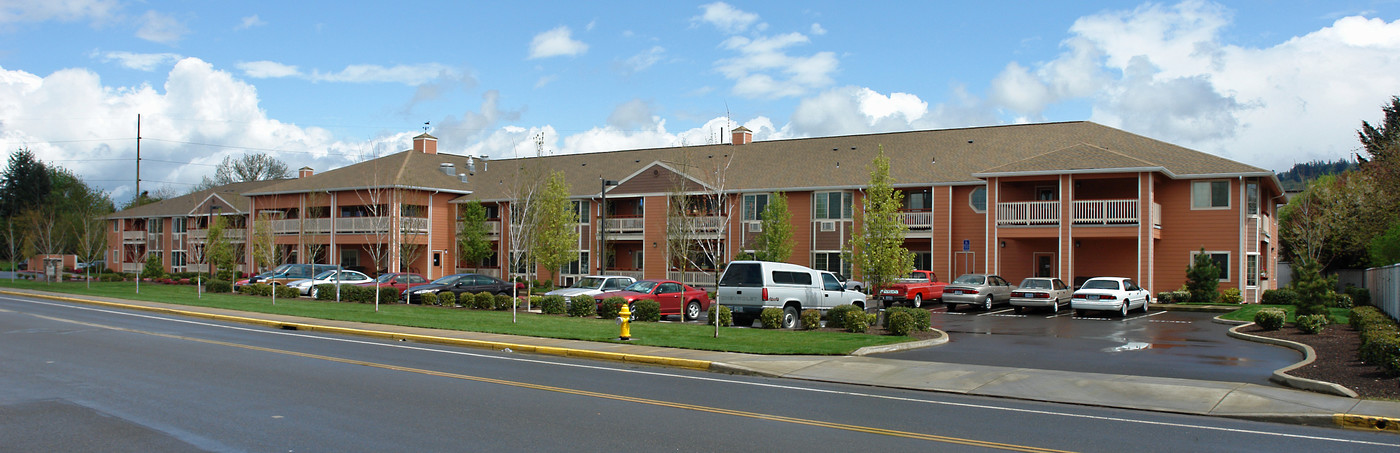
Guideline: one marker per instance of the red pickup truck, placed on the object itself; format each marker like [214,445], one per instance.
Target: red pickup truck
[920,286]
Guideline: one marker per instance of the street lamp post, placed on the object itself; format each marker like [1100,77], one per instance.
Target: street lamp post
[603,224]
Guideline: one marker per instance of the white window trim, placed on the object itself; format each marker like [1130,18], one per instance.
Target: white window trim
[757,213]
[971,195]
[1229,201]
[1229,260]
[1257,261]
[840,210]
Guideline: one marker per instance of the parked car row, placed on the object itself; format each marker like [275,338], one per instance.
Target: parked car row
[1116,294]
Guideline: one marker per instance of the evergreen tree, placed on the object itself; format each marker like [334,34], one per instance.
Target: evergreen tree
[26,184]
[775,242]
[1314,289]
[1203,278]
[878,246]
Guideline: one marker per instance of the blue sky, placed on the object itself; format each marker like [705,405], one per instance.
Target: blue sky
[325,84]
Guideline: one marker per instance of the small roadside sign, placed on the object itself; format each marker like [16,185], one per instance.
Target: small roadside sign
[967,245]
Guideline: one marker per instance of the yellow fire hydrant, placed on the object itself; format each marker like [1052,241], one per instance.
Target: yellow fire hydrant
[624,319]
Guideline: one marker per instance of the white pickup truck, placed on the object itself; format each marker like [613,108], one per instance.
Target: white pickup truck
[747,287]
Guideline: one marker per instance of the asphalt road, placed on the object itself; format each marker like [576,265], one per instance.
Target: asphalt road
[78,378]
[1159,343]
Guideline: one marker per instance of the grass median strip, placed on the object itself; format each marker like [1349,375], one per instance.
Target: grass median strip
[674,335]
[1246,313]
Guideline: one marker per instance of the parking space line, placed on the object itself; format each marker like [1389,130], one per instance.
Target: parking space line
[1004,310]
[1145,316]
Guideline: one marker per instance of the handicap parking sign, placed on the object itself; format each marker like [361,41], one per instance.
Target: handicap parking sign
[967,245]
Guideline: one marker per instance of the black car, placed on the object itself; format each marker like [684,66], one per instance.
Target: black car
[458,284]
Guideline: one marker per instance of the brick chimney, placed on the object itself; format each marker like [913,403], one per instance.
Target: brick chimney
[425,143]
[305,172]
[742,136]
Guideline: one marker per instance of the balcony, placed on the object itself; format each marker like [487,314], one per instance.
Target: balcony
[232,234]
[133,236]
[1086,212]
[298,226]
[362,225]
[624,226]
[917,220]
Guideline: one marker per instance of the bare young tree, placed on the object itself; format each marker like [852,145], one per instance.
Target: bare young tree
[266,253]
[44,231]
[311,235]
[413,233]
[249,167]
[91,233]
[379,224]
[524,193]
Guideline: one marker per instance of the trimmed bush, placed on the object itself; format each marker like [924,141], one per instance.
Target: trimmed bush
[1269,318]
[771,318]
[218,286]
[1231,296]
[1380,338]
[1312,324]
[609,308]
[836,316]
[582,306]
[1281,296]
[535,301]
[811,319]
[284,292]
[325,292]
[921,318]
[899,323]
[1181,295]
[431,299]
[726,317]
[1359,295]
[552,305]
[646,311]
[256,289]
[483,301]
[1166,297]
[855,321]
[1340,300]
[449,299]
[504,302]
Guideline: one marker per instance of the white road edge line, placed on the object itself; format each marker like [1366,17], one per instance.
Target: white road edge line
[725,381]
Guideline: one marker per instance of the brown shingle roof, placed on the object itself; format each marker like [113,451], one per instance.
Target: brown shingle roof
[185,204]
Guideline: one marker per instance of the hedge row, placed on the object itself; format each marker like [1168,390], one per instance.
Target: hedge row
[266,291]
[358,294]
[1380,338]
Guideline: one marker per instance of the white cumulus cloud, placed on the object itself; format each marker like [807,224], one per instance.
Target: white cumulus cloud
[555,43]
[137,61]
[250,22]
[160,27]
[726,18]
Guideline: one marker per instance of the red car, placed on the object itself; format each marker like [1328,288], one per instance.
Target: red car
[399,280]
[671,294]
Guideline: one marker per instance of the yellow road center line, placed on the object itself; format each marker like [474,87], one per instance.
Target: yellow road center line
[585,393]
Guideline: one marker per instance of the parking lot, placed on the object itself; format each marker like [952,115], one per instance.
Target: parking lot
[1157,343]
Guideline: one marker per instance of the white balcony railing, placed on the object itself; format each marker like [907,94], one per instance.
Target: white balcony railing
[1029,213]
[361,225]
[298,226]
[624,225]
[133,235]
[1106,212]
[917,220]
[692,278]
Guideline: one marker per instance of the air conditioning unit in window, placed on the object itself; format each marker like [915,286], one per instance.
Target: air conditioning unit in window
[755,227]
[828,225]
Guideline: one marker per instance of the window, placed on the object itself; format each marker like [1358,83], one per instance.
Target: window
[754,205]
[155,226]
[177,258]
[578,266]
[1252,198]
[978,199]
[669,288]
[413,210]
[350,258]
[1222,261]
[831,205]
[116,226]
[492,211]
[1251,269]
[1210,194]
[177,225]
[830,283]
[918,200]
[581,208]
[792,278]
[923,260]
[830,262]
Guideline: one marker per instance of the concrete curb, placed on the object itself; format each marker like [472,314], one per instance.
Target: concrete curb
[1281,375]
[1199,308]
[908,345]
[495,345]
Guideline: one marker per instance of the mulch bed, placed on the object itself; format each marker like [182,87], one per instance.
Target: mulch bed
[1336,360]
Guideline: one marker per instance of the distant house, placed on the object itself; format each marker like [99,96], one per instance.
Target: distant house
[1070,200]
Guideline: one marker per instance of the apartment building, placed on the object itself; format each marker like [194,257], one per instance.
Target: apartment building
[1071,200]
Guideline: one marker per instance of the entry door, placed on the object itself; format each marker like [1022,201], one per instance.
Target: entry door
[1044,265]
[964,263]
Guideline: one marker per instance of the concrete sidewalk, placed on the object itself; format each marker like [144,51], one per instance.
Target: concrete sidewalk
[1226,399]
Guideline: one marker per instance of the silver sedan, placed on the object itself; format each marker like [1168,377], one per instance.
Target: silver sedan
[983,290]
[1041,292]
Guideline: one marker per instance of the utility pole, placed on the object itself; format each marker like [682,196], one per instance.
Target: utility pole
[138,193]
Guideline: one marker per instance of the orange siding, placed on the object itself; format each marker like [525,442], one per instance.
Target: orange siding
[971,226]
[1185,230]
[654,237]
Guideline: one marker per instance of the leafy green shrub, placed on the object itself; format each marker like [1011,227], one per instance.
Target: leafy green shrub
[256,289]
[582,306]
[504,302]
[726,318]
[325,292]
[855,321]
[218,286]
[285,292]
[1380,338]
[154,267]
[899,323]
[811,319]
[1166,297]
[646,311]
[1340,300]
[1281,296]
[920,317]
[450,299]
[431,299]
[1311,323]
[483,301]
[552,305]
[367,294]
[1231,296]
[1359,295]
[609,308]
[535,301]
[771,318]
[1181,295]
[1269,318]
[836,316]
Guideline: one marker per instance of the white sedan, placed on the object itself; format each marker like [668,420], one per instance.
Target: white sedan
[308,287]
[1109,294]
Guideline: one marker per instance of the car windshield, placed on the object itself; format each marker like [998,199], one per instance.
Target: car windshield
[643,286]
[285,268]
[448,280]
[327,275]
[588,283]
[969,279]
[1035,283]
[1100,284]
[386,278]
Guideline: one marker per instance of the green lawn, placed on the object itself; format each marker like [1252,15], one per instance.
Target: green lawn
[675,335]
[1246,313]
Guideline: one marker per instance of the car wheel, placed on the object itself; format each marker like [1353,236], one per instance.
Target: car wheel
[1144,305]
[987,303]
[951,306]
[790,318]
[1055,307]
[918,300]
[692,311]
[1123,310]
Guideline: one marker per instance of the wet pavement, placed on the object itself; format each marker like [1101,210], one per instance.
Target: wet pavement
[1160,343]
